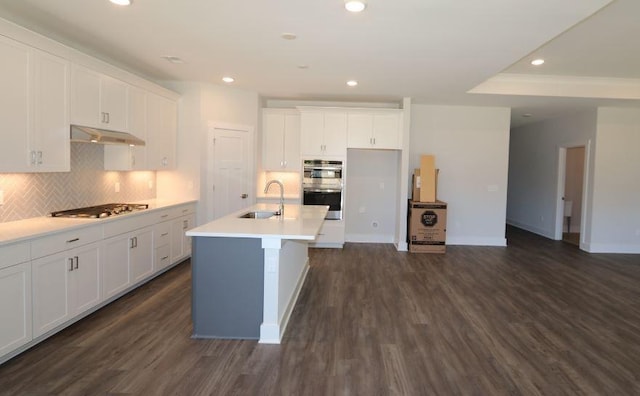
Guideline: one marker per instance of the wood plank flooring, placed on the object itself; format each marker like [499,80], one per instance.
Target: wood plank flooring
[537,318]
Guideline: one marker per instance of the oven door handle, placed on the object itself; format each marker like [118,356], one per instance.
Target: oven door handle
[321,168]
[322,190]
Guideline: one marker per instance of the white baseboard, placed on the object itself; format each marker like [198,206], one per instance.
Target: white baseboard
[368,238]
[611,248]
[476,241]
[530,228]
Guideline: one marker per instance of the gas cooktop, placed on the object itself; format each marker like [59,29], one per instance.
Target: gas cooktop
[100,211]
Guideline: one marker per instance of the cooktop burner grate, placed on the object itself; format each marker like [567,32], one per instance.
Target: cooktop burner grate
[100,211]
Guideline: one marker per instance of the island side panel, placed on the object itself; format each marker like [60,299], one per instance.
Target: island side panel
[228,287]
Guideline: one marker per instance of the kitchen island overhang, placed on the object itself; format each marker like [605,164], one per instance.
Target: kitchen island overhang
[248,272]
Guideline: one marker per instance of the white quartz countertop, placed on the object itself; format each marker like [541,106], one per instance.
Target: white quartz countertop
[15,231]
[300,222]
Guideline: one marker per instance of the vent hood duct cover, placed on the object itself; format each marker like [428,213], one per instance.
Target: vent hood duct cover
[103,136]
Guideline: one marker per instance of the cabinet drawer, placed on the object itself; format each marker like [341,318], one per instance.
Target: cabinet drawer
[163,215]
[66,240]
[162,234]
[182,211]
[128,224]
[14,254]
[162,257]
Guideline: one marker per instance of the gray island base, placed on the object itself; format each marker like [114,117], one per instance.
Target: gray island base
[247,273]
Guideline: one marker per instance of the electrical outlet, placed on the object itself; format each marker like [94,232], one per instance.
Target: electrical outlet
[116,187]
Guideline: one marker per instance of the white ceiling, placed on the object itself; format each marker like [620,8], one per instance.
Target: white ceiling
[433,51]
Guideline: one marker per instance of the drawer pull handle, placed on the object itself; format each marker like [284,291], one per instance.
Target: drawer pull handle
[164,234]
[73,240]
[185,210]
[164,258]
[164,215]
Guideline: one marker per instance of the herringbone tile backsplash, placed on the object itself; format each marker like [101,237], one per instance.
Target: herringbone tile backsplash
[37,194]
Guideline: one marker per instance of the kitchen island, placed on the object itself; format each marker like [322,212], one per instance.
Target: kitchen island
[247,271]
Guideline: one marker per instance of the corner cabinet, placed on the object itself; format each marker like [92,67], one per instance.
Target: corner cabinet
[33,110]
[162,126]
[280,140]
[323,133]
[98,100]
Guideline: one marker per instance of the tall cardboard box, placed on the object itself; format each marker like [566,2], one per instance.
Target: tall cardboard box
[425,180]
[427,227]
[417,184]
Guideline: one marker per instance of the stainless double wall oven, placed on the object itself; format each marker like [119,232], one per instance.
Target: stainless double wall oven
[322,185]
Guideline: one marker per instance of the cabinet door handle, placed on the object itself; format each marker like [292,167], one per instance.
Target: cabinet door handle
[39,157]
[75,258]
[132,243]
[70,264]
[185,224]
[285,163]
[33,157]
[104,119]
[374,141]
[107,117]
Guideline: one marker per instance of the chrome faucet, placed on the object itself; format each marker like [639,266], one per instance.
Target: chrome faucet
[280,211]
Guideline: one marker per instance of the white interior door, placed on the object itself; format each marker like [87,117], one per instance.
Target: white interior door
[230,163]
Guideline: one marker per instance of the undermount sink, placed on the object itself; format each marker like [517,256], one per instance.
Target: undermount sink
[258,215]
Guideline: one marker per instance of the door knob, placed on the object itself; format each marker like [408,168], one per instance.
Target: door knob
[244,196]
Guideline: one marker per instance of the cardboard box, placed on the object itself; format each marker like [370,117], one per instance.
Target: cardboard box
[427,227]
[418,191]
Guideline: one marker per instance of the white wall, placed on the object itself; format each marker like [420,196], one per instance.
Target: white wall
[471,145]
[371,195]
[533,170]
[616,185]
[200,104]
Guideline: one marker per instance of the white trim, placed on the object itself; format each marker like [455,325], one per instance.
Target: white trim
[612,248]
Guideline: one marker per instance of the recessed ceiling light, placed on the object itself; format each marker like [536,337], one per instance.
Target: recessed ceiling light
[122,2]
[173,59]
[537,62]
[355,5]
[289,36]
[352,83]
[228,79]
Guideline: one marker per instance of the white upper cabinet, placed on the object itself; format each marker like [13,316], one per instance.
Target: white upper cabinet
[14,106]
[376,129]
[34,122]
[98,100]
[117,157]
[323,133]
[161,132]
[51,113]
[280,140]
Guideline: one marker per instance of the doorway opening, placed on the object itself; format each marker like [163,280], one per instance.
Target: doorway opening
[573,169]
[573,190]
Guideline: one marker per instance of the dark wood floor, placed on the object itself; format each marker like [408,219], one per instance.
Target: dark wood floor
[537,318]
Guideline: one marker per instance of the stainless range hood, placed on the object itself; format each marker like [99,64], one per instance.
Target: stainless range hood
[93,135]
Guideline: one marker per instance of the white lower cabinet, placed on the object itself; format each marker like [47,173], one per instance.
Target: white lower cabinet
[15,307]
[64,285]
[180,243]
[331,234]
[128,260]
